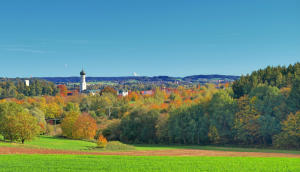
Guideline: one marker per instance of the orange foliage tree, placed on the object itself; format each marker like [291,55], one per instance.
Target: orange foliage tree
[85,127]
[63,90]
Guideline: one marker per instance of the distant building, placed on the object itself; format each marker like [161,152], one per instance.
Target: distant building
[83,82]
[93,92]
[122,93]
[148,92]
[27,83]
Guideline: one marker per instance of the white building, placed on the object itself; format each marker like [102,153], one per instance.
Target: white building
[27,83]
[83,82]
[122,93]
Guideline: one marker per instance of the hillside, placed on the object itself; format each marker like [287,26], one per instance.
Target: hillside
[194,78]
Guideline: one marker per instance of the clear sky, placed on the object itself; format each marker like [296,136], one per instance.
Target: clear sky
[149,37]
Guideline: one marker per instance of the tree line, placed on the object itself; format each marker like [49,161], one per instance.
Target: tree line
[267,114]
[16,88]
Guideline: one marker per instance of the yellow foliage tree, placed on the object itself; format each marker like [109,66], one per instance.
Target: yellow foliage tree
[68,123]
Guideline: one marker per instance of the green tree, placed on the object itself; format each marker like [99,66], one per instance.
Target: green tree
[222,109]
[270,104]
[294,98]
[139,126]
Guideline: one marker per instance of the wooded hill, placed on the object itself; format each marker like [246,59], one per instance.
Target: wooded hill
[194,78]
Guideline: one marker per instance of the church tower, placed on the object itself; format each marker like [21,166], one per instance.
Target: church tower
[83,83]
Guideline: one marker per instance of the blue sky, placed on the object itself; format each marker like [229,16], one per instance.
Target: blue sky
[149,37]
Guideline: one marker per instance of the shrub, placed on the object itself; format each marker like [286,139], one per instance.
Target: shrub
[101,142]
[118,146]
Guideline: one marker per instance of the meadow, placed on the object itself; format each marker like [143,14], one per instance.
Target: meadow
[65,162]
[143,163]
[58,143]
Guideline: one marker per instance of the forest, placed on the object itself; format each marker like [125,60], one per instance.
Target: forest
[259,109]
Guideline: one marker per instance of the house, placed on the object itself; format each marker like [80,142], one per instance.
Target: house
[122,93]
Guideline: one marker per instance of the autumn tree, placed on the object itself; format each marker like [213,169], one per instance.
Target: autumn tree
[246,122]
[16,123]
[85,127]
[53,110]
[108,90]
[63,90]
[68,122]
[26,126]
[7,120]
[72,107]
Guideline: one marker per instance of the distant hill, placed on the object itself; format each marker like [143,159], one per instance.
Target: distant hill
[211,77]
[194,78]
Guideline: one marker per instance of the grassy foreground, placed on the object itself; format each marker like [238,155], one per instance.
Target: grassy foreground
[31,163]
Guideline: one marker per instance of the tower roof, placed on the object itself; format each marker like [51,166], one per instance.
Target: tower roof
[82,72]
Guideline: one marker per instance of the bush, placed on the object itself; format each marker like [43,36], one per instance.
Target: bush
[101,142]
[118,146]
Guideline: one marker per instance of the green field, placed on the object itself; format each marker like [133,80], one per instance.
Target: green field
[49,142]
[138,163]
[133,163]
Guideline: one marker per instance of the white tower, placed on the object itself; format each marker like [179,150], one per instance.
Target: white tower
[83,83]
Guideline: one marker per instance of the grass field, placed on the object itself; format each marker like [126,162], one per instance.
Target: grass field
[64,162]
[31,163]
[49,142]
